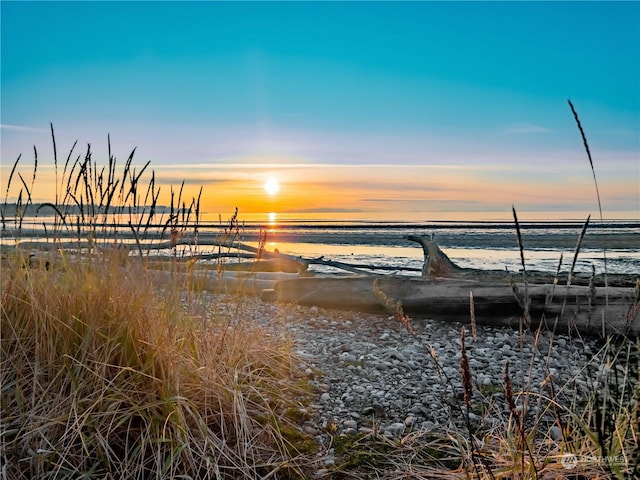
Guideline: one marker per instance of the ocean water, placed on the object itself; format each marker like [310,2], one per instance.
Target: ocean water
[376,242]
[484,245]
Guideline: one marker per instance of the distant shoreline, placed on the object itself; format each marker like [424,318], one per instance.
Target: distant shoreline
[311,220]
[44,210]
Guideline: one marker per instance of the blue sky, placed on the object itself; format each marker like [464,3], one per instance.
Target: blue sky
[450,94]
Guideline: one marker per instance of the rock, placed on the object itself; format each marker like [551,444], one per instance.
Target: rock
[310,430]
[474,418]
[555,433]
[395,429]
[352,424]
[347,357]
[396,355]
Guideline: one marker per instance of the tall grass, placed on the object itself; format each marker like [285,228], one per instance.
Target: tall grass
[108,373]
[94,202]
[595,182]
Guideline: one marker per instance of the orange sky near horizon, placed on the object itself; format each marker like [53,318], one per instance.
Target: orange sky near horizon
[438,192]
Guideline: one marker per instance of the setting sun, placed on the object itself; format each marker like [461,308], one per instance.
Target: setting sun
[271,186]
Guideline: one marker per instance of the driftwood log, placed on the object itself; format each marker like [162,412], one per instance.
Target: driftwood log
[241,283]
[447,292]
[438,265]
[443,292]
[560,308]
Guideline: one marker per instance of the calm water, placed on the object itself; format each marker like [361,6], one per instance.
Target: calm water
[491,245]
[486,245]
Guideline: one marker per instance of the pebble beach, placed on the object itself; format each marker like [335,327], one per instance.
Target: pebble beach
[368,374]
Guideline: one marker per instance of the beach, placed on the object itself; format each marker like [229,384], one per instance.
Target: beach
[370,376]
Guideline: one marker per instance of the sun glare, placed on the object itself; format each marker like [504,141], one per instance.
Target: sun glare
[271,186]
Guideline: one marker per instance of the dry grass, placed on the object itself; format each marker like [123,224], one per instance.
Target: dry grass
[106,376]
[106,373]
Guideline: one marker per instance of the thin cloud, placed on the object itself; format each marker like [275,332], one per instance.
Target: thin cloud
[323,210]
[21,128]
[176,180]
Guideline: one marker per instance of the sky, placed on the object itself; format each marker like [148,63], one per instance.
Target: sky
[394,110]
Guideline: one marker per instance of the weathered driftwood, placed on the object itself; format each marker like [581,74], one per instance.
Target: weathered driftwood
[224,282]
[438,265]
[269,265]
[445,290]
[562,308]
[446,297]
[263,260]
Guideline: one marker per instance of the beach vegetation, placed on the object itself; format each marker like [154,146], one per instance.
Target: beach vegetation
[108,371]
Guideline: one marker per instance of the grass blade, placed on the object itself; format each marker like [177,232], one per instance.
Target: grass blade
[595,181]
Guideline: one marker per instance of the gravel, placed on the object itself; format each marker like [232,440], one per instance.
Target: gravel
[370,375]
